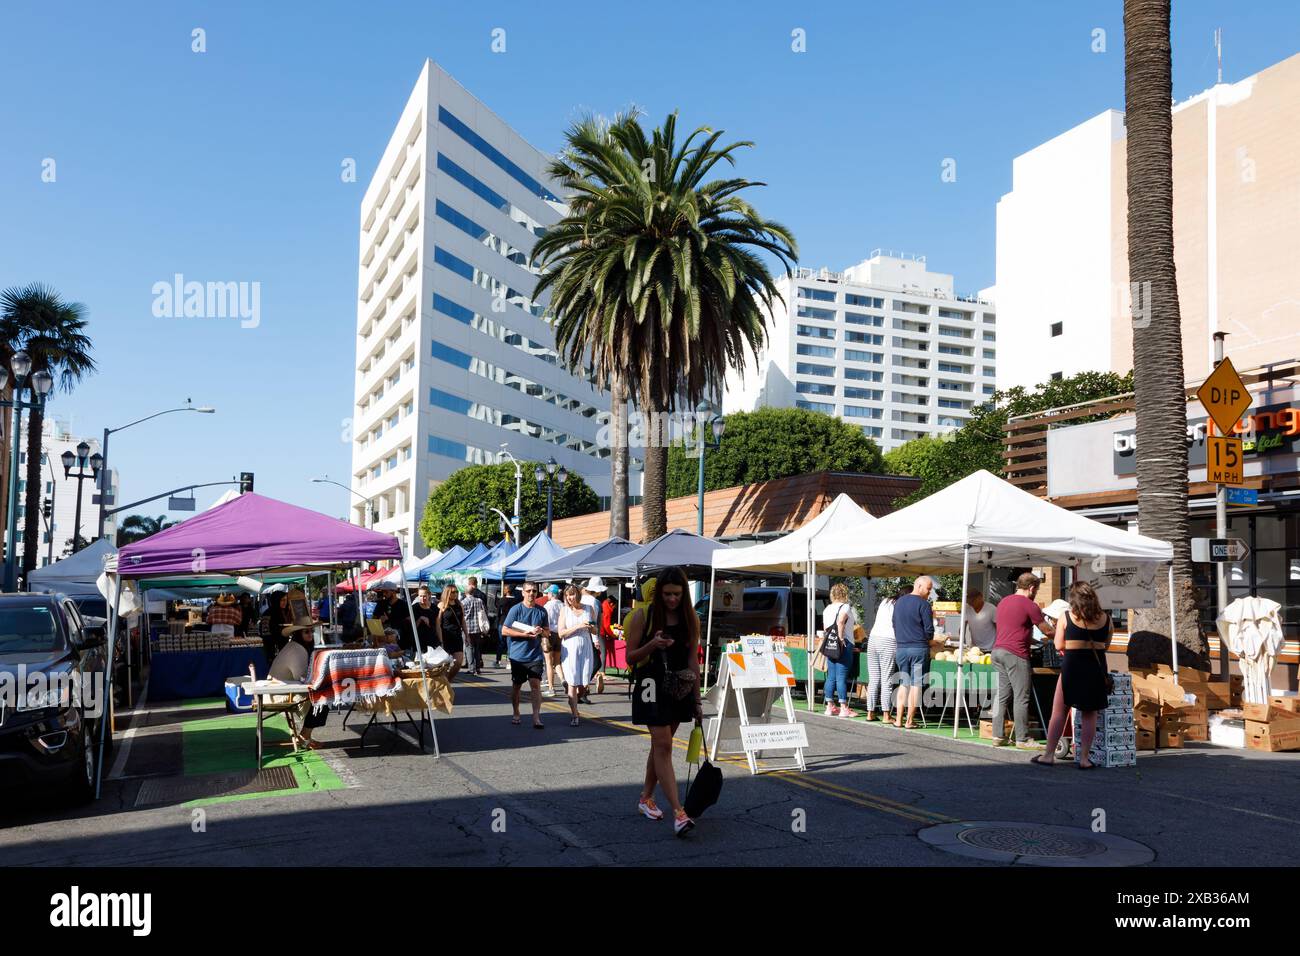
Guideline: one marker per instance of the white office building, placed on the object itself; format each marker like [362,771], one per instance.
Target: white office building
[1054,239]
[56,532]
[885,345]
[454,357]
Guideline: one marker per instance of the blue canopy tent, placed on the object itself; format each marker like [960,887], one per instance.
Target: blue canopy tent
[501,551]
[569,568]
[691,552]
[535,554]
[434,569]
[471,560]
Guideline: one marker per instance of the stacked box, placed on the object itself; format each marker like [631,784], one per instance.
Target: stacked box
[1116,741]
[1120,701]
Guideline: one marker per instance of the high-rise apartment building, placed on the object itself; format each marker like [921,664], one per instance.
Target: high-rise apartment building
[454,357]
[56,532]
[885,345]
[1062,237]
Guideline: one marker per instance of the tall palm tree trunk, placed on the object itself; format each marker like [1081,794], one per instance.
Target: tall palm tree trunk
[8,394]
[1157,340]
[619,458]
[654,506]
[32,497]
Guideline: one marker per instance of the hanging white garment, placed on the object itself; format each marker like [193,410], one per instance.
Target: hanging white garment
[1251,627]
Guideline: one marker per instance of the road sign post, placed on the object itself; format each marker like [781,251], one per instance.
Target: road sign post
[1219,550]
[1225,397]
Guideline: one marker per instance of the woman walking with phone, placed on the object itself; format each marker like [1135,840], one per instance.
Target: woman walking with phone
[662,646]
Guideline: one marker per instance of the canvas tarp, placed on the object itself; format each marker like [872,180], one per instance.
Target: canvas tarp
[790,552]
[76,574]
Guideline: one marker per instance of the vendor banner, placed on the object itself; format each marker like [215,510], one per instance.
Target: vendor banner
[1122,584]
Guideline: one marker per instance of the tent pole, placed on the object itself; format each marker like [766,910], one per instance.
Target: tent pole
[1173,625]
[810,599]
[114,615]
[960,703]
[708,633]
[419,657]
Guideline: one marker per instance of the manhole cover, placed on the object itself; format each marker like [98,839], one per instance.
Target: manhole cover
[1035,844]
[1030,841]
[159,790]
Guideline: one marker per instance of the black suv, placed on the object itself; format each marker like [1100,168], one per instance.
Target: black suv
[53,694]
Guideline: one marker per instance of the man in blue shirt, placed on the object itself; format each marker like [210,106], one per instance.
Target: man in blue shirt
[913,631]
[525,626]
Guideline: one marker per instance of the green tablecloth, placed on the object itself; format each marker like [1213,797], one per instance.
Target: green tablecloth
[945,671]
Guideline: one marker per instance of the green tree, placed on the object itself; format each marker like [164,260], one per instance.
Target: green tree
[774,443]
[656,277]
[38,321]
[979,444]
[452,514]
[138,527]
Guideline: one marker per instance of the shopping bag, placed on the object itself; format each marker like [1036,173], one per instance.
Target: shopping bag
[703,791]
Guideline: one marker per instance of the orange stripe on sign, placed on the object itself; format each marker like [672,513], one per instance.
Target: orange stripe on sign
[738,660]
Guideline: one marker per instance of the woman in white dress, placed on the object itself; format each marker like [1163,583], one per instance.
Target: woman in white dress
[576,632]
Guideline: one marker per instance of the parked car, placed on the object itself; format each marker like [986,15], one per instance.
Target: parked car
[53,694]
[764,610]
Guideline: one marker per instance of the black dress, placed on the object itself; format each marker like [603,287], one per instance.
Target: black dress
[1083,673]
[652,705]
[453,629]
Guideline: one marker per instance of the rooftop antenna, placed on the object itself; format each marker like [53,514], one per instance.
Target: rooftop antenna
[1218,48]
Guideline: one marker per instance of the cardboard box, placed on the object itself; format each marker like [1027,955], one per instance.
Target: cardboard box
[1273,736]
[1146,722]
[986,730]
[1196,732]
[1216,695]
[1146,740]
[1170,739]
[1286,702]
[1267,713]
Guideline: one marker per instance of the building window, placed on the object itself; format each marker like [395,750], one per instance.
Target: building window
[863,300]
[955,333]
[814,388]
[1057,328]
[872,431]
[990,336]
[953,403]
[1056,376]
[864,338]
[857,318]
[866,394]
[955,350]
[990,318]
[992,373]
[808,312]
[856,355]
[448,449]
[863,375]
[816,332]
[819,351]
[990,354]
[988,389]
[815,407]
[808,368]
[494,154]
[821,295]
[860,411]
[954,386]
[955,314]
[952,367]
[490,196]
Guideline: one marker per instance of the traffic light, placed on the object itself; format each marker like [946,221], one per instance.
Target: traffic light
[47,508]
[245,482]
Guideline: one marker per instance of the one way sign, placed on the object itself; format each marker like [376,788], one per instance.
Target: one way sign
[1219,550]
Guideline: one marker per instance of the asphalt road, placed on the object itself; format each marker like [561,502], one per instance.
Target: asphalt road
[503,795]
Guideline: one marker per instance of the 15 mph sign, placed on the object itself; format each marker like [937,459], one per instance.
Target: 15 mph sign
[1219,550]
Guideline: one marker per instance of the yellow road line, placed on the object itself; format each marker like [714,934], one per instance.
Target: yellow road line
[809,782]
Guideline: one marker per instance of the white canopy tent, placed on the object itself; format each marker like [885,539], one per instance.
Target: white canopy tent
[76,574]
[409,570]
[983,521]
[790,554]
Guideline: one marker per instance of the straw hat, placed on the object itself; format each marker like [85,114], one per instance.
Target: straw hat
[225,600]
[595,586]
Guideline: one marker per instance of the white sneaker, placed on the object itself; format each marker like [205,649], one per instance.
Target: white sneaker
[682,824]
[830,711]
[547,692]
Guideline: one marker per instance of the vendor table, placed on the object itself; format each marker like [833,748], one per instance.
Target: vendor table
[183,675]
[260,689]
[410,697]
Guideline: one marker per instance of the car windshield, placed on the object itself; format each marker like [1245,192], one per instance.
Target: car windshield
[25,630]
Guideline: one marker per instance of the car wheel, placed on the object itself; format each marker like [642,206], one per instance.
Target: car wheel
[82,784]
[1062,749]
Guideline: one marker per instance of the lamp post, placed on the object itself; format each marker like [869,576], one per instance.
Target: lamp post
[106,480]
[552,478]
[707,424]
[81,460]
[519,483]
[370,508]
[39,385]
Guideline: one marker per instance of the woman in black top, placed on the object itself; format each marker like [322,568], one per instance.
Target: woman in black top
[451,627]
[1082,636]
[662,650]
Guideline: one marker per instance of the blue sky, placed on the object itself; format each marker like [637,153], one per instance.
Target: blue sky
[225,165]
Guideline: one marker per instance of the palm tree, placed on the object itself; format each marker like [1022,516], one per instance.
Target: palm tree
[37,320]
[1157,347]
[655,276]
[138,527]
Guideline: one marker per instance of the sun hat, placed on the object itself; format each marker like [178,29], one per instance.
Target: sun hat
[595,586]
[225,600]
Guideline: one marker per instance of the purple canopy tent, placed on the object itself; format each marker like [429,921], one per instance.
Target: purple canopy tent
[250,534]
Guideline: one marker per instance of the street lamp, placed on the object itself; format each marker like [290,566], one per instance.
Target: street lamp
[552,479]
[80,459]
[106,481]
[519,481]
[707,425]
[370,508]
[39,385]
